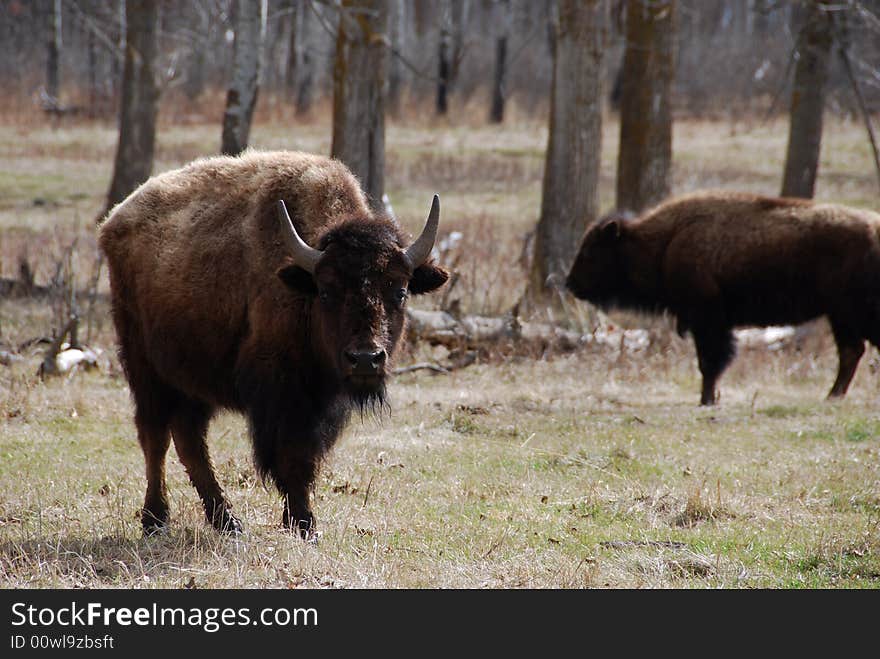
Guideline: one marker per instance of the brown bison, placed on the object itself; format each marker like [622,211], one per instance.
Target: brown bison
[721,260]
[220,302]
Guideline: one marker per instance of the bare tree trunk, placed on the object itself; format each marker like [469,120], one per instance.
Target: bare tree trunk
[53,51]
[443,69]
[114,65]
[359,80]
[397,18]
[569,200]
[92,58]
[450,50]
[290,73]
[421,15]
[459,10]
[502,25]
[305,71]
[194,81]
[644,166]
[250,29]
[273,67]
[140,101]
[807,103]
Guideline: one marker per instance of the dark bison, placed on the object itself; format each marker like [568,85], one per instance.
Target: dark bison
[220,302]
[721,260]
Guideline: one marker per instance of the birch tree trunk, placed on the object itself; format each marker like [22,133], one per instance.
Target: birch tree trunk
[807,103]
[139,103]
[359,89]
[241,99]
[644,165]
[569,199]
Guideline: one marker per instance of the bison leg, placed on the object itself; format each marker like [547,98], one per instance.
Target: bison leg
[850,348]
[294,474]
[154,440]
[715,350]
[189,428]
[154,404]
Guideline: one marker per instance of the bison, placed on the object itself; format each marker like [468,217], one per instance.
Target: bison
[263,284]
[718,260]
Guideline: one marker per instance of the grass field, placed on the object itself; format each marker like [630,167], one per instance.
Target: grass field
[591,469]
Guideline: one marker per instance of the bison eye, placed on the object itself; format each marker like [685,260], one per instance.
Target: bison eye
[400,296]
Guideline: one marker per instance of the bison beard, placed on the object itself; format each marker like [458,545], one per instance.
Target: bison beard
[219,303]
[721,260]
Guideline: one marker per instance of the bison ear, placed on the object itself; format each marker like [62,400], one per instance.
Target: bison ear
[298,279]
[426,278]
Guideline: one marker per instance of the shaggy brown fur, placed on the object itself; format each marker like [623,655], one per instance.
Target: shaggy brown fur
[718,260]
[211,313]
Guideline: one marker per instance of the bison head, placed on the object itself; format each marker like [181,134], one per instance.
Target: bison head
[359,279]
[597,274]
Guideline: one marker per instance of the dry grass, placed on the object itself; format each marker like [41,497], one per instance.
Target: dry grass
[588,470]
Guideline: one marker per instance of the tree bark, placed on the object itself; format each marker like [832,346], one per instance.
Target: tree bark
[397,18]
[290,73]
[92,58]
[421,16]
[139,103]
[250,29]
[459,10]
[359,89]
[443,68]
[53,51]
[116,61]
[644,166]
[305,72]
[571,172]
[194,82]
[196,67]
[502,25]
[807,103]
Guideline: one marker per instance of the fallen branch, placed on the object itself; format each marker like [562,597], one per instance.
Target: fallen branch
[420,366]
[473,332]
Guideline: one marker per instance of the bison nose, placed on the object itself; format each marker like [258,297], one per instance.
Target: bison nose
[367,362]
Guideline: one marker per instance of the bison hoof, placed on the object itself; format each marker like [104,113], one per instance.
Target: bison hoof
[232,526]
[227,523]
[153,524]
[308,535]
[153,530]
[709,399]
[303,525]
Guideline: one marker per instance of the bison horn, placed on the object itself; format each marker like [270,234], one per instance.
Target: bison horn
[420,250]
[304,256]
